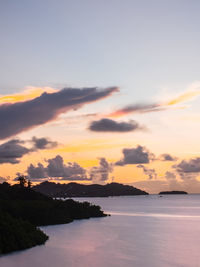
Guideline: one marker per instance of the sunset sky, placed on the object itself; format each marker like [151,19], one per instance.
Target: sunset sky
[100,91]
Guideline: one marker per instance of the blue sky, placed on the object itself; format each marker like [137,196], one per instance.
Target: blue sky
[138,45]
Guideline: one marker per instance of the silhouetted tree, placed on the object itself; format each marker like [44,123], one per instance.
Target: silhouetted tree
[22,180]
[29,183]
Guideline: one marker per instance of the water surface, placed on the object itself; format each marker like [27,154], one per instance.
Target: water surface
[142,231]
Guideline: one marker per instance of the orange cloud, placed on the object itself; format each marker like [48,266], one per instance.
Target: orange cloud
[27,94]
[187,96]
[117,114]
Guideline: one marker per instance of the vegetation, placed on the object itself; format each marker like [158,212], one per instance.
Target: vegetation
[22,210]
[17,234]
[173,193]
[81,190]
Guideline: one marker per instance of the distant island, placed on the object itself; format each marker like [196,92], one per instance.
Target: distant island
[58,190]
[22,210]
[173,193]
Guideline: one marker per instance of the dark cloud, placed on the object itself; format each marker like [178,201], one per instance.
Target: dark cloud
[37,172]
[150,172]
[188,166]
[138,155]
[72,171]
[101,173]
[56,168]
[12,151]
[43,143]
[69,171]
[21,116]
[107,125]
[188,170]
[167,157]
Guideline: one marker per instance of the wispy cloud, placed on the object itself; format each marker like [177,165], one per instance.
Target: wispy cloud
[172,102]
[191,94]
[135,108]
[150,172]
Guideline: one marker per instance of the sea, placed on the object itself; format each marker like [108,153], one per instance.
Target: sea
[142,231]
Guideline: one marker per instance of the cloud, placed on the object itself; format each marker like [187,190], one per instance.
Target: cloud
[135,108]
[150,172]
[167,157]
[188,166]
[27,94]
[107,125]
[190,94]
[12,151]
[138,155]
[22,116]
[37,172]
[185,97]
[43,143]
[57,169]
[185,176]
[70,171]
[101,173]
[188,171]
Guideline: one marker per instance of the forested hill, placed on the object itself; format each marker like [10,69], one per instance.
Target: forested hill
[173,193]
[81,190]
[23,209]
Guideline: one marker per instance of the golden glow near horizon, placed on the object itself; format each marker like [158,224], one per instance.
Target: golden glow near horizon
[78,144]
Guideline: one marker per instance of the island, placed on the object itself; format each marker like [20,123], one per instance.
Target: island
[173,193]
[22,210]
[58,190]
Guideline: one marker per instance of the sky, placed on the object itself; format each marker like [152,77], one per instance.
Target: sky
[101,91]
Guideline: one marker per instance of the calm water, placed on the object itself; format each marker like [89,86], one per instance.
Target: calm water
[142,231]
